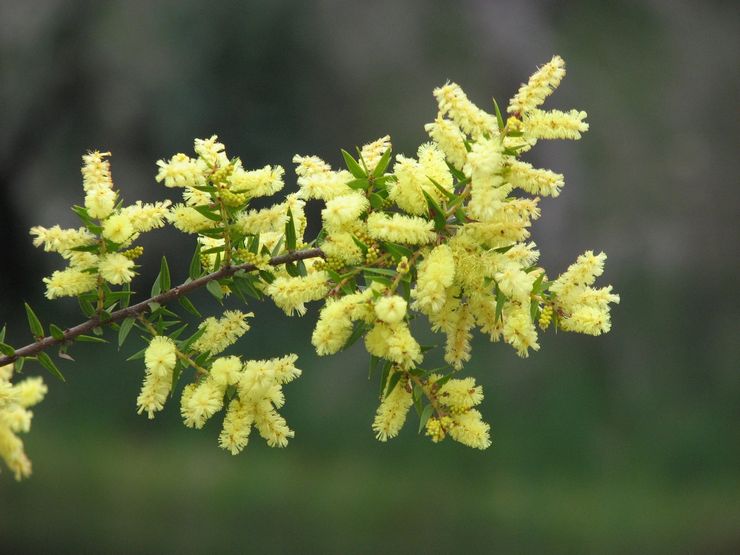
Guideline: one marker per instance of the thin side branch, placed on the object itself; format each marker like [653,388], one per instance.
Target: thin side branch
[163,298]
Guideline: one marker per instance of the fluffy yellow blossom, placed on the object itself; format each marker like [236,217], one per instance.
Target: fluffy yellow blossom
[116,268]
[400,229]
[472,120]
[266,220]
[11,451]
[449,139]
[96,171]
[435,275]
[153,395]
[584,308]
[488,190]
[390,310]
[118,228]
[535,181]
[147,216]
[30,391]
[234,435]
[211,151]
[394,342]
[391,414]
[519,330]
[555,124]
[317,181]
[160,356]
[262,182]
[309,165]
[199,402]
[334,326]
[413,178]
[460,395]
[469,429]
[583,271]
[515,283]
[189,220]
[99,202]
[271,425]
[182,171]
[343,210]
[15,418]
[371,153]
[341,246]
[225,371]
[69,283]
[457,328]
[291,293]
[539,87]
[223,332]
[56,239]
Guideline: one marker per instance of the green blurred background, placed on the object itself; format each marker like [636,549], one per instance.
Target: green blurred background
[616,444]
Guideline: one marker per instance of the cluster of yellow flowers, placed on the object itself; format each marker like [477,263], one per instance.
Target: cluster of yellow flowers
[98,250]
[15,418]
[444,234]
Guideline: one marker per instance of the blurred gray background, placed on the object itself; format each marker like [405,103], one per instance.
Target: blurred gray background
[621,443]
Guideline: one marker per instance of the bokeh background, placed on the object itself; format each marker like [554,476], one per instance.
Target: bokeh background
[616,444]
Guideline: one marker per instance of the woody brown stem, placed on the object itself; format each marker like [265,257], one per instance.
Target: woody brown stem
[163,298]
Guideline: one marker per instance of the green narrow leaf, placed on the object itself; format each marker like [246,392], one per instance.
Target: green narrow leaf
[381,271]
[86,306]
[137,355]
[195,268]
[447,194]
[164,275]
[354,168]
[56,332]
[7,350]
[359,330]
[208,213]
[362,246]
[125,295]
[382,163]
[156,286]
[384,377]
[359,183]
[302,270]
[425,415]
[398,251]
[33,322]
[277,247]
[439,216]
[500,300]
[90,338]
[499,117]
[417,395]
[45,361]
[189,306]
[125,329]
[2,333]
[537,283]
[290,238]
[393,382]
[214,288]
[376,201]
[534,310]
[19,365]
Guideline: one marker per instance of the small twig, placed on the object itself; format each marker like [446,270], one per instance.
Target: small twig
[163,298]
[429,395]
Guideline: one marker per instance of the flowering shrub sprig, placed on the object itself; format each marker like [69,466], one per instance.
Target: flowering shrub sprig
[444,234]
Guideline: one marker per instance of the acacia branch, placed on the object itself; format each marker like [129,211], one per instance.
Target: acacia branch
[163,298]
